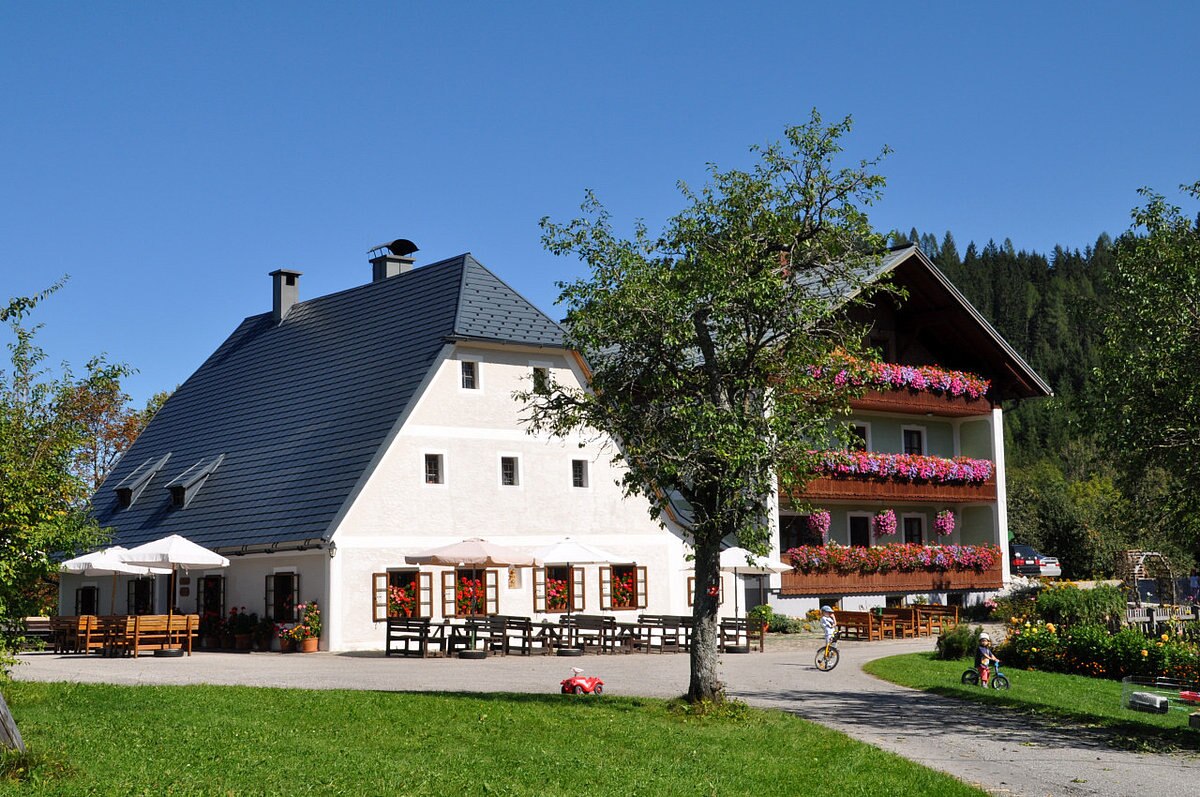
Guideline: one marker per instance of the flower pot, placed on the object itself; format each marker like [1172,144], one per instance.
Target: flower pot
[263,644]
[211,642]
[310,645]
[287,645]
[243,641]
[227,641]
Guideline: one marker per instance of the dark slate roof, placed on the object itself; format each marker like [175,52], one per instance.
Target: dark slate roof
[299,409]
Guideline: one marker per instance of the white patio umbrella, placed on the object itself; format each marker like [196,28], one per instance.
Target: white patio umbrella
[476,552]
[174,552]
[739,561]
[107,561]
[572,552]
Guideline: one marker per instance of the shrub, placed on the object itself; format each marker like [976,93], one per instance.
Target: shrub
[1085,649]
[1130,653]
[1033,646]
[958,642]
[761,614]
[782,624]
[1068,605]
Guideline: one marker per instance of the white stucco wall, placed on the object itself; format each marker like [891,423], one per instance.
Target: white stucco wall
[397,513]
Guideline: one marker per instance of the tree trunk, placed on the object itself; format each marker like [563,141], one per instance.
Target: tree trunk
[703,684]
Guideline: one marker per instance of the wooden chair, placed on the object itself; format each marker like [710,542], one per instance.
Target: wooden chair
[413,636]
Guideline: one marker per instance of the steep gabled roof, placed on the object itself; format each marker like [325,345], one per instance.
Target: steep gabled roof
[960,331]
[300,408]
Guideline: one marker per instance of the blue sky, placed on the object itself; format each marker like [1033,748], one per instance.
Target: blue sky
[167,157]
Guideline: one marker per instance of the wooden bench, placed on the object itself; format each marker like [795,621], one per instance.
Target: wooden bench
[668,632]
[589,630]
[733,630]
[37,632]
[518,636]
[76,634]
[937,617]
[908,624]
[152,632]
[413,636]
[864,625]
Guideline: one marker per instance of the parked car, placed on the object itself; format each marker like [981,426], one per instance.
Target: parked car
[1025,561]
[1050,567]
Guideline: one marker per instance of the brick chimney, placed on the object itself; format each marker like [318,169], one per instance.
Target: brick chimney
[285,292]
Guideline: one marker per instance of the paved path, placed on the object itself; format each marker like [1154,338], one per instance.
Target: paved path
[1004,753]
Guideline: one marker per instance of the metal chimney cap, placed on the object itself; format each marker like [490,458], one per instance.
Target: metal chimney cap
[401,247]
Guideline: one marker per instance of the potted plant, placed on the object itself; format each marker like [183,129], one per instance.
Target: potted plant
[210,630]
[307,632]
[241,625]
[264,632]
[287,642]
[761,615]
[402,601]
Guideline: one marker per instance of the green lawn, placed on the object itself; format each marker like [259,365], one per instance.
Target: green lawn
[1093,701]
[97,739]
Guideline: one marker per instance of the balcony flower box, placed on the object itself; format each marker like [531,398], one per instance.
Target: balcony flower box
[825,570]
[855,488]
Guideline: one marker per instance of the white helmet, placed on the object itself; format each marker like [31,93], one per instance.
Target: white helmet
[985,637]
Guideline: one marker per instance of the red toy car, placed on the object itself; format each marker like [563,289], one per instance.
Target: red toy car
[582,684]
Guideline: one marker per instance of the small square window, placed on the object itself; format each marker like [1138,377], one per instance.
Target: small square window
[433,469]
[858,441]
[541,379]
[914,528]
[470,377]
[579,473]
[914,441]
[509,473]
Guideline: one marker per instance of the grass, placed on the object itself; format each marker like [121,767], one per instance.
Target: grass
[100,739]
[1090,701]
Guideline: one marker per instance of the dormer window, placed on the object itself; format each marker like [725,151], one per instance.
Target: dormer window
[185,486]
[135,483]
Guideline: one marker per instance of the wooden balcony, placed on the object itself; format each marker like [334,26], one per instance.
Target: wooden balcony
[920,402]
[856,488]
[830,584]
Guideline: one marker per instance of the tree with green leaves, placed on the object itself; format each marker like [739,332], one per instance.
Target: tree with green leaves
[43,425]
[701,342]
[1146,398]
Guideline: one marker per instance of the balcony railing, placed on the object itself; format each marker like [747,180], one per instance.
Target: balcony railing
[828,584]
[857,488]
[918,402]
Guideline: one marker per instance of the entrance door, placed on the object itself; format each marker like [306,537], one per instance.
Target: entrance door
[860,531]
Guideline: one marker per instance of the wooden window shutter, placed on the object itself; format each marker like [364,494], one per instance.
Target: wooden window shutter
[295,599]
[269,601]
[641,587]
[606,587]
[691,590]
[425,594]
[577,590]
[448,603]
[491,591]
[379,597]
[539,589]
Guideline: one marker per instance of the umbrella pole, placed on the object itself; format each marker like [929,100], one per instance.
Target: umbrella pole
[112,602]
[570,602]
[737,612]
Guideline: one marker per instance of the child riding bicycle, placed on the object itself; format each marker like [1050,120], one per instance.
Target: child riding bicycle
[829,626]
[984,658]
